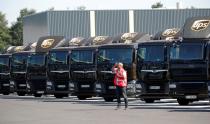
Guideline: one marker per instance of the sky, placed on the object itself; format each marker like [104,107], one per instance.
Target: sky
[11,8]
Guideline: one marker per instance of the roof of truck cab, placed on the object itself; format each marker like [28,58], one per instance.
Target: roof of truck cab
[5,55]
[156,42]
[86,48]
[22,52]
[196,28]
[117,45]
[63,48]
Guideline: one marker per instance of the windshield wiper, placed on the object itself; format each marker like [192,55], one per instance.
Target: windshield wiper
[103,59]
[57,61]
[2,64]
[78,61]
[18,62]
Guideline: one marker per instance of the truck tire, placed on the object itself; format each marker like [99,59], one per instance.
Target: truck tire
[58,96]
[183,101]
[108,99]
[37,95]
[5,93]
[82,97]
[149,100]
[21,93]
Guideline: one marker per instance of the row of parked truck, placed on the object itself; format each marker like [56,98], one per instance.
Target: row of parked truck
[175,63]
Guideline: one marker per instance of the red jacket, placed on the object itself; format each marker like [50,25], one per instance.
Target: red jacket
[120,78]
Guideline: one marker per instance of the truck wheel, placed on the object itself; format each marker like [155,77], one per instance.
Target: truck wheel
[182,101]
[108,99]
[21,93]
[58,96]
[5,93]
[37,95]
[82,97]
[149,100]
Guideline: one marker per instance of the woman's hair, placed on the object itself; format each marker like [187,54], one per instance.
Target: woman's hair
[120,64]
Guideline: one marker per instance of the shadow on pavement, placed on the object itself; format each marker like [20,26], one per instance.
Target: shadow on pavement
[134,104]
[191,110]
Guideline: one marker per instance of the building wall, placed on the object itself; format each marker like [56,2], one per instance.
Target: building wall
[152,21]
[104,22]
[34,26]
[111,22]
[69,23]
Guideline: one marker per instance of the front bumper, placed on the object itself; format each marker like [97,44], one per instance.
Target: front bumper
[61,87]
[190,90]
[108,88]
[37,86]
[155,90]
[105,89]
[82,88]
[21,86]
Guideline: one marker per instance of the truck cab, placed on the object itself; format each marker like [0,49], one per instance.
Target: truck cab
[83,71]
[58,72]
[152,66]
[152,69]
[122,49]
[5,85]
[36,73]
[18,72]
[59,67]
[189,62]
[37,64]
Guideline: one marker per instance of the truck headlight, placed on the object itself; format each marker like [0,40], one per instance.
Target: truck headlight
[131,84]
[98,86]
[28,86]
[138,86]
[12,82]
[71,84]
[172,86]
[49,83]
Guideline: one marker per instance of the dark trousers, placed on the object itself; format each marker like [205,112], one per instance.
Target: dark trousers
[121,91]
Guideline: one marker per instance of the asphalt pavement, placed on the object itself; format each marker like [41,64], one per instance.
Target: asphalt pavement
[49,110]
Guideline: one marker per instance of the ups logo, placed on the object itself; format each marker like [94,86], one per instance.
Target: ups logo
[99,39]
[200,25]
[170,32]
[47,43]
[18,48]
[75,41]
[128,36]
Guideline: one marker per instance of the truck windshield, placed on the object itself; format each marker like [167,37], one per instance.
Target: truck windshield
[19,62]
[113,55]
[4,61]
[36,59]
[151,53]
[187,51]
[58,57]
[82,56]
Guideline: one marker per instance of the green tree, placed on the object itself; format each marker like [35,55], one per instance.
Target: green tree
[16,30]
[4,32]
[157,5]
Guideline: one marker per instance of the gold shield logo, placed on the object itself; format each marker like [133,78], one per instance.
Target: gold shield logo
[99,39]
[128,36]
[47,43]
[170,32]
[18,48]
[199,25]
[75,41]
